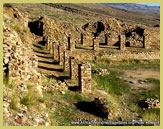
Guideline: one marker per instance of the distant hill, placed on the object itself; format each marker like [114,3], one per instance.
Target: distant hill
[135,7]
[78,13]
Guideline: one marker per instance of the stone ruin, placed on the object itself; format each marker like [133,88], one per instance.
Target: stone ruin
[81,72]
[95,44]
[146,41]
[92,38]
[122,42]
[73,68]
[18,59]
[71,45]
[84,71]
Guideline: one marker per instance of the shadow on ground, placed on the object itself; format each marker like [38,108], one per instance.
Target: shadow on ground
[91,108]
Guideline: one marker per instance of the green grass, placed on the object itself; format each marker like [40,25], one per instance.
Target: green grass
[119,91]
[133,64]
[14,103]
[47,80]
[28,100]
[64,115]
[65,111]
[10,84]
[127,64]
[111,83]
[151,115]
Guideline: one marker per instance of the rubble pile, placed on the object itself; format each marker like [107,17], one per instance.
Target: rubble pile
[149,103]
[56,86]
[101,71]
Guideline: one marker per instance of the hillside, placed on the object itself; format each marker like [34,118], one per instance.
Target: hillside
[135,7]
[80,65]
[91,10]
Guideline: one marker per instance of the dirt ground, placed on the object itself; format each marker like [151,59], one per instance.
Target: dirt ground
[136,77]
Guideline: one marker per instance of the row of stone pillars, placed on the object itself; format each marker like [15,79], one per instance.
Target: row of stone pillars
[122,41]
[80,72]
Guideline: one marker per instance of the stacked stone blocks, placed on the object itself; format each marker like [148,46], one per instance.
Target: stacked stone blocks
[84,70]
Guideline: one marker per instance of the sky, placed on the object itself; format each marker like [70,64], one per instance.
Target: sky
[151,4]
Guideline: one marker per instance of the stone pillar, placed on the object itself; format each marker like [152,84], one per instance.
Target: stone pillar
[61,49]
[51,47]
[146,41]
[106,39]
[56,52]
[84,72]
[73,68]
[122,42]
[71,45]
[95,44]
[66,61]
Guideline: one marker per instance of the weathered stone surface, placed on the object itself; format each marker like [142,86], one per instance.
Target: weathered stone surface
[66,65]
[95,44]
[56,51]
[56,86]
[61,50]
[71,45]
[73,68]
[146,41]
[149,103]
[84,74]
[122,42]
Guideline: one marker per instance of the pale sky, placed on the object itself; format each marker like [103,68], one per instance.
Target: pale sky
[151,4]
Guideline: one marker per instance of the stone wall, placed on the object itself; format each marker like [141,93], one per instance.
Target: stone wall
[19,61]
[56,51]
[86,39]
[73,68]
[95,44]
[71,44]
[84,70]
[146,41]
[66,64]
[61,48]
[122,42]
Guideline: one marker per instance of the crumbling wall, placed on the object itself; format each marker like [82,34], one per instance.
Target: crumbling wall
[19,61]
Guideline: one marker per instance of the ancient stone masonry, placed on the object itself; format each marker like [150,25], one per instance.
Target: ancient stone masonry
[51,47]
[47,43]
[56,51]
[122,41]
[71,45]
[73,68]
[86,39]
[66,61]
[61,49]
[84,71]
[95,44]
[18,59]
[146,41]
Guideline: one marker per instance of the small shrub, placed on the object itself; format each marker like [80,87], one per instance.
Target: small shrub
[28,100]
[17,28]
[14,103]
